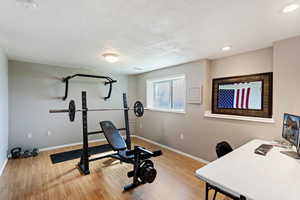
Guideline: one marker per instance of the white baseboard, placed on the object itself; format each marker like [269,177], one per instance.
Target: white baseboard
[3,166]
[172,149]
[69,145]
[142,138]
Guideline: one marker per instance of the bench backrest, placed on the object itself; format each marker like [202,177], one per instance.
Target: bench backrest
[113,136]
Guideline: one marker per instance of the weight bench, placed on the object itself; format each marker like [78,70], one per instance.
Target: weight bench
[143,168]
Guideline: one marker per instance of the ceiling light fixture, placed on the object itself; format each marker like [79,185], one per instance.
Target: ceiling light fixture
[111,57]
[28,3]
[226,48]
[290,8]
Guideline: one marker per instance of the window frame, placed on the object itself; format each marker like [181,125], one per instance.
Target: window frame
[150,93]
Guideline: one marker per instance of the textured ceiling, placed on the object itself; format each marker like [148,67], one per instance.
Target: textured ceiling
[147,34]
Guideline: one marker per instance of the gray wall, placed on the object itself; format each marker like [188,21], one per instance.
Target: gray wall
[233,131]
[201,134]
[3,108]
[36,88]
[286,79]
[165,127]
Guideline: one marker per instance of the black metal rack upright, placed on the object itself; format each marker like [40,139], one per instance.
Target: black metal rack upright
[84,160]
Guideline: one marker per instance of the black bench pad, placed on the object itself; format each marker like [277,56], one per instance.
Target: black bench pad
[113,136]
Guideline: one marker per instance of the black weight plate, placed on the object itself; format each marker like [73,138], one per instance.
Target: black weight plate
[138,109]
[72,110]
[147,172]
[150,174]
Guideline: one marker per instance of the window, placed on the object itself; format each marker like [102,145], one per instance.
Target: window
[166,94]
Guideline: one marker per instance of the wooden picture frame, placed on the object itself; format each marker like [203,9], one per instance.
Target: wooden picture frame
[265,110]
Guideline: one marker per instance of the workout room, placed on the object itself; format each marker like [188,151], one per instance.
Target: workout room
[149,100]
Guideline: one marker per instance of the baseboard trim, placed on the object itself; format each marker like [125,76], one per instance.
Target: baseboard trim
[139,137]
[69,145]
[172,149]
[3,167]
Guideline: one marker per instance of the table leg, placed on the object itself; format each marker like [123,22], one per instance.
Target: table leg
[206,191]
[211,187]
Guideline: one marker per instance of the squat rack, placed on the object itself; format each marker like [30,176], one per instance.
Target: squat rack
[109,81]
[83,165]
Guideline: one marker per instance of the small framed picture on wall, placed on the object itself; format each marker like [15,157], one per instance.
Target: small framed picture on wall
[195,95]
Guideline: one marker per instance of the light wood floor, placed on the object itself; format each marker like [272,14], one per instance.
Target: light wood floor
[38,178]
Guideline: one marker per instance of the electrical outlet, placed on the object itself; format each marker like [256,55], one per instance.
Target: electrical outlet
[49,133]
[181,136]
[29,135]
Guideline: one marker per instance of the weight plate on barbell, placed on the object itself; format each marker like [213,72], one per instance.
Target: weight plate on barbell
[72,110]
[138,109]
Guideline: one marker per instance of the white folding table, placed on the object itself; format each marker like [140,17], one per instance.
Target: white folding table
[243,173]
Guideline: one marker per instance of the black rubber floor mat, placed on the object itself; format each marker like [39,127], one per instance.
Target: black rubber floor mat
[74,154]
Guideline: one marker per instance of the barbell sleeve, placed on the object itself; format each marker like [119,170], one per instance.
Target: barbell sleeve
[59,111]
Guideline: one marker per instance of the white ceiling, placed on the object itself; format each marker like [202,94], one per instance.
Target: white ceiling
[150,34]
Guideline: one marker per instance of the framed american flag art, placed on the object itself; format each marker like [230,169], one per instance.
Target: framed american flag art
[249,95]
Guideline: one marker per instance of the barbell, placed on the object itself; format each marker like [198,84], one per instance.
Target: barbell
[138,110]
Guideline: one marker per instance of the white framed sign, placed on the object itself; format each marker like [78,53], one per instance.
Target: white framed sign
[195,95]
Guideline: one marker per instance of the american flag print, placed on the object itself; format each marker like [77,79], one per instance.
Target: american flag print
[240,95]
